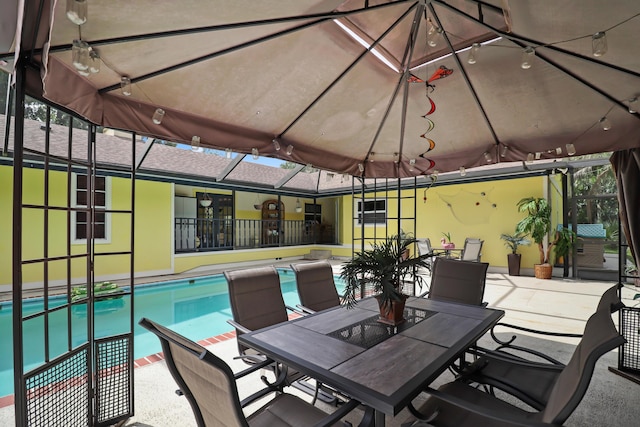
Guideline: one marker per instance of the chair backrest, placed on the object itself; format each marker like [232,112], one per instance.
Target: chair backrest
[600,336]
[205,380]
[472,250]
[315,284]
[610,300]
[256,298]
[458,281]
[424,246]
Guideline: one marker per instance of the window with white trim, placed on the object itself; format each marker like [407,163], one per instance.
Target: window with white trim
[372,212]
[80,197]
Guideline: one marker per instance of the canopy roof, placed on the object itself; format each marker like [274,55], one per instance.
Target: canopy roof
[308,74]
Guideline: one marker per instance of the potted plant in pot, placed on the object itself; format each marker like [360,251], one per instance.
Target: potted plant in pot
[563,244]
[512,241]
[446,241]
[384,268]
[537,223]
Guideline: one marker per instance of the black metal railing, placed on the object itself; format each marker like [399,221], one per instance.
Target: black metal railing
[207,234]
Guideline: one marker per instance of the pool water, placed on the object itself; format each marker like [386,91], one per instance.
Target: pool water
[196,308]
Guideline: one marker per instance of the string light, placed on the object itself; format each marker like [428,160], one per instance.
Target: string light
[463,171]
[605,123]
[80,55]
[158,115]
[487,157]
[77,11]
[396,157]
[503,151]
[227,153]
[289,150]
[538,155]
[255,154]
[633,105]
[529,157]
[195,143]
[528,54]
[473,52]
[371,157]
[276,144]
[571,149]
[599,43]
[125,85]
[412,163]
[360,167]
[559,151]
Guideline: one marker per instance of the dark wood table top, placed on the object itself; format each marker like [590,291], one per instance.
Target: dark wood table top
[387,375]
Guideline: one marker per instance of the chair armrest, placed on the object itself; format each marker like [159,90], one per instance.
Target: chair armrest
[238,326]
[482,411]
[306,310]
[262,364]
[296,310]
[508,344]
[334,417]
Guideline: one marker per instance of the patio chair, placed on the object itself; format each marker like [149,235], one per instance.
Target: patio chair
[531,381]
[256,302]
[425,248]
[451,404]
[316,288]
[472,250]
[210,387]
[458,281]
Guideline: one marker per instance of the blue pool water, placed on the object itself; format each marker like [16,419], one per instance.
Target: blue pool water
[197,308]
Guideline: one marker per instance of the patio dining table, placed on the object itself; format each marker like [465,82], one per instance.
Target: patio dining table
[384,367]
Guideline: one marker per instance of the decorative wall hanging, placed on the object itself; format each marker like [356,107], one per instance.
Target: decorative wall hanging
[469,207]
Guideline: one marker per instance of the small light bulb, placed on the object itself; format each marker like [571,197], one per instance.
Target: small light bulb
[633,105]
[559,151]
[571,149]
[227,153]
[80,55]
[529,157]
[360,167]
[599,43]
[487,157]
[412,163]
[125,85]
[503,151]
[289,150]
[158,115]
[463,171]
[605,123]
[371,157]
[538,155]
[473,53]
[255,154]
[77,11]
[528,54]
[396,157]
[195,143]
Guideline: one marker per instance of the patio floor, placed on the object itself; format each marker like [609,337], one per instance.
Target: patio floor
[556,304]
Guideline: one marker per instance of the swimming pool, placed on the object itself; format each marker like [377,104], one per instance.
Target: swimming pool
[197,308]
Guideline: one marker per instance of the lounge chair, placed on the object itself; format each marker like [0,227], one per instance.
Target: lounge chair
[458,403]
[210,387]
[316,288]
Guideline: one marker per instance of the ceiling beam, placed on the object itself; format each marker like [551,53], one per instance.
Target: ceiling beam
[230,167]
[288,177]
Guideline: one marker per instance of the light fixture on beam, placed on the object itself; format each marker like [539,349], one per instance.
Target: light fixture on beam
[125,85]
[528,53]
[158,115]
[77,11]
[633,105]
[289,150]
[503,150]
[605,123]
[276,144]
[487,157]
[599,43]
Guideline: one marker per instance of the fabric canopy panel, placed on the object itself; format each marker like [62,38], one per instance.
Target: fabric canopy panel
[373,88]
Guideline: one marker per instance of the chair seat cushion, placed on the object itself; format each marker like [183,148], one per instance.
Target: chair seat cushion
[287,411]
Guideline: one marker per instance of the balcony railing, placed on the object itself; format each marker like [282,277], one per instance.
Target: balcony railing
[206,234]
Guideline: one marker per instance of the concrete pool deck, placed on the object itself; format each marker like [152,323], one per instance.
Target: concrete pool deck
[557,304]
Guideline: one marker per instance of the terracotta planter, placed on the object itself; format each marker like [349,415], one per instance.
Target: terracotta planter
[513,261]
[542,271]
[393,315]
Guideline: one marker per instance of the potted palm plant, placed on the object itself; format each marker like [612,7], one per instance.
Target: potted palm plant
[384,267]
[512,241]
[537,223]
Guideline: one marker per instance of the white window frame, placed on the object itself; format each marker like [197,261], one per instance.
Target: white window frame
[362,213]
[107,219]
